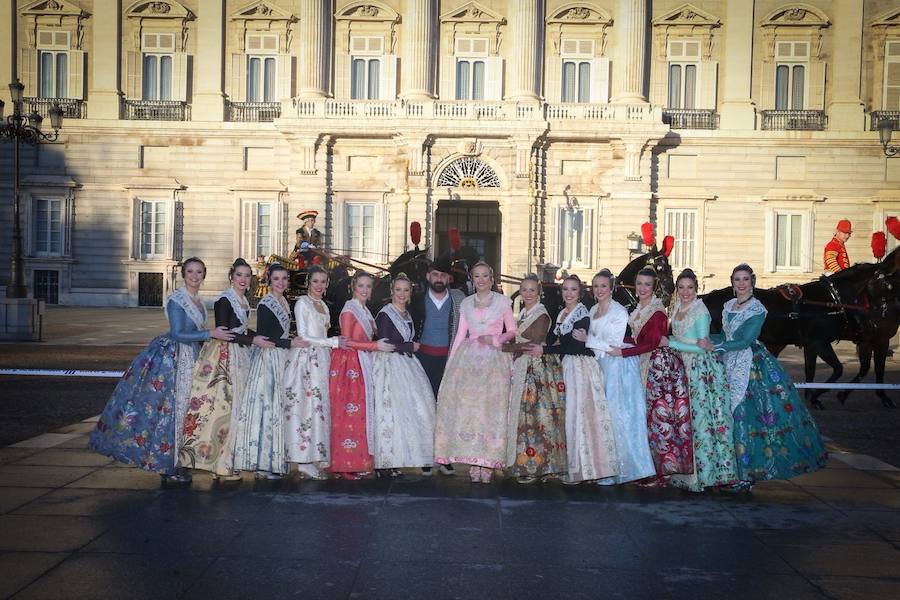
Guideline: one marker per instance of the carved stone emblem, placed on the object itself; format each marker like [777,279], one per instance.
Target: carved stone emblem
[160,8]
[53,5]
[367,11]
[795,14]
[579,12]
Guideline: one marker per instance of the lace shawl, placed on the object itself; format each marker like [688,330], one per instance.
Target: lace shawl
[679,328]
[238,307]
[738,362]
[527,319]
[566,326]
[404,326]
[362,314]
[493,312]
[182,298]
[639,316]
[281,310]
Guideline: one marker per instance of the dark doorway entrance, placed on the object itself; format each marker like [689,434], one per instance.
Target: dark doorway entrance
[478,224]
[150,289]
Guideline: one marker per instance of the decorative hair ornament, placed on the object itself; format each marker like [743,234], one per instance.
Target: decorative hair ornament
[647,233]
[667,245]
[879,244]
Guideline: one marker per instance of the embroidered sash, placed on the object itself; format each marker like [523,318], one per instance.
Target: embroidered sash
[404,326]
[281,310]
[239,308]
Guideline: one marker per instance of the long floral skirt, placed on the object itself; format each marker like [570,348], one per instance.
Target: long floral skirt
[219,374]
[590,441]
[347,394]
[472,407]
[775,437]
[137,426]
[404,413]
[628,409]
[669,413]
[307,410]
[259,428]
[712,423]
[537,417]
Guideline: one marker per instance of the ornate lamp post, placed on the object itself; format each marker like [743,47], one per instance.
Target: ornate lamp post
[20,128]
[885,129]
[635,245]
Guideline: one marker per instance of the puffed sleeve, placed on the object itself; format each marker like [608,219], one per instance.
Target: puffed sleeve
[698,331]
[611,332]
[745,335]
[181,328]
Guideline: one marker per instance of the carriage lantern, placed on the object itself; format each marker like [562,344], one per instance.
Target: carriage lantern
[635,244]
[885,130]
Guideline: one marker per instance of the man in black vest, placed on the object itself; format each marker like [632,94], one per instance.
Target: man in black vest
[435,315]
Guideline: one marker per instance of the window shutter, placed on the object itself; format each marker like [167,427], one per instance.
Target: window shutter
[587,236]
[342,76]
[248,229]
[709,82]
[28,71]
[892,84]
[493,85]
[180,74]
[600,80]
[135,228]
[134,85]
[771,241]
[238,91]
[285,77]
[816,97]
[76,74]
[448,77]
[176,247]
[388,77]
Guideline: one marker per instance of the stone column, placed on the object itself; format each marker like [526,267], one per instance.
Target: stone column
[208,101]
[7,49]
[105,98]
[846,111]
[315,43]
[631,20]
[417,64]
[737,106]
[526,41]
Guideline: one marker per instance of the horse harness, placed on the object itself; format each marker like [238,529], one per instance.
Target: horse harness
[793,293]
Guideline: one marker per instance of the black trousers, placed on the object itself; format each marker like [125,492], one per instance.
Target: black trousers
[434,368]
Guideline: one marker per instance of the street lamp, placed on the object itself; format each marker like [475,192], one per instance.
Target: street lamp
[635,245]
[20,128]
[885,130]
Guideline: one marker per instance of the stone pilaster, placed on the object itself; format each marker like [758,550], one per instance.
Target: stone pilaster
[315,40]
[526,39]
[418,49]
[105,92]
[847,111]
[208,102]
[631,17]
[623,213]
[737,106]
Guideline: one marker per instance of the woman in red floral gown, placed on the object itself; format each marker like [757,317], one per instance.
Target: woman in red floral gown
[351,384]
[665,382]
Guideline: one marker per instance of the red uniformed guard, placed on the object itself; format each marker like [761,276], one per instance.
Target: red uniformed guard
[836,258]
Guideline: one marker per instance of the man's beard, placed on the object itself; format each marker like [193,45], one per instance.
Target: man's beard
[437,286]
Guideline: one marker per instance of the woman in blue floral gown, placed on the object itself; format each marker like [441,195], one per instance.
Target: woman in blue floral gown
[775,437]
[141,424]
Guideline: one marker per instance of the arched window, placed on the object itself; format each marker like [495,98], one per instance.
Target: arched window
[468,172]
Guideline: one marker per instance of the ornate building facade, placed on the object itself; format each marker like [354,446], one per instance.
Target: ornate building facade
[547,131]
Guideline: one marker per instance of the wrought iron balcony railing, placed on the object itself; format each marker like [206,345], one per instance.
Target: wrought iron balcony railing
[72,108]
[253,111]
[157,110]
[876,116]
[691,118]
[793,120]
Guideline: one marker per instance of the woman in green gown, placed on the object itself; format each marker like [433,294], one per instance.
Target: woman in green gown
[775,437]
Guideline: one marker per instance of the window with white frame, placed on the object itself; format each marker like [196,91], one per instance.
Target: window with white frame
[891,100]
[158,55]
[258,228]
[48,226]
[791,69]
[360,231]
[53,64]
[471,68]
[573,237]
[684,65]
[365,67]
[681,224]
[262,67]
[153,223]
[577,70]
[789,239]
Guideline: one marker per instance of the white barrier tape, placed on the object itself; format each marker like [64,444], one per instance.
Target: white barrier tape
[849,386]
[62,373]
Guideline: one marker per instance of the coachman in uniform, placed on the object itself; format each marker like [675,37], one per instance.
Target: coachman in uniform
[836,258]
[308,237]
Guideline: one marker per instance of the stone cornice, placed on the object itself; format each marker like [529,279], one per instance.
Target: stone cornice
[580,13]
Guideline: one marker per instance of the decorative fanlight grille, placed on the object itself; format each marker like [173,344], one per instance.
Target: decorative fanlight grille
[468,172]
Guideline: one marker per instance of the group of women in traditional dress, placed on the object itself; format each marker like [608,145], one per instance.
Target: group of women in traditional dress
[574,400]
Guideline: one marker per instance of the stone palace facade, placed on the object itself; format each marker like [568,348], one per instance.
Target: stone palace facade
[547,131]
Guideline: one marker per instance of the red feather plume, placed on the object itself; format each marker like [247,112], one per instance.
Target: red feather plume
[893,226]
[647,233]
[455,239]
[316,259]
[668,244]
[879,244]
[301,263]
[415,232]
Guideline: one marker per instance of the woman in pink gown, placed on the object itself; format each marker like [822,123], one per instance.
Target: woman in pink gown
[351,384]
[474,394]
